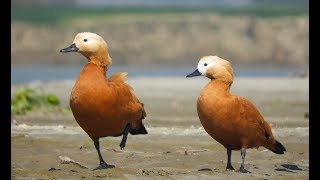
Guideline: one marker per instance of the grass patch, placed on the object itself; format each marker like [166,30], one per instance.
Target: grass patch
[26,99]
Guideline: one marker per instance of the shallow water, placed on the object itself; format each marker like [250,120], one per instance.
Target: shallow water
[26,74]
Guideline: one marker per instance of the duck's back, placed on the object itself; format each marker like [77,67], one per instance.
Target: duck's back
[103,107]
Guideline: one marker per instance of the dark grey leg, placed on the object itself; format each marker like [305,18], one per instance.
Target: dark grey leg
[243,155]
[124,137]
[103,164]
[229,166]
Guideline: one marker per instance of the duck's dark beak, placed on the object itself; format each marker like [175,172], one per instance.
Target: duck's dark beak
[72,48]
[195,73]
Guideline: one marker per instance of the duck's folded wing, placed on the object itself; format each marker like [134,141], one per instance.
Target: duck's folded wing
[125,91]
[119,77]
[118,80]
[249,113]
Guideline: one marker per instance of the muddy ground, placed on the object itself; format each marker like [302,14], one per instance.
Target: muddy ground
[177,147]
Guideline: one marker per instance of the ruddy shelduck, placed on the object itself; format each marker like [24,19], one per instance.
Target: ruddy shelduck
[103,106]
[229,119]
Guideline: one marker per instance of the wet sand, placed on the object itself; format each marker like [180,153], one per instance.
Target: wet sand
[177,147]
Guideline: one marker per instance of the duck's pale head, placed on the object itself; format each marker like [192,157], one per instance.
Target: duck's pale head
[92,46]
[214,67]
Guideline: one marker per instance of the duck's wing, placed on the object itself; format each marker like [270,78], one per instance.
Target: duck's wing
[125,90]
[118,80]
[249,113]
[119,77]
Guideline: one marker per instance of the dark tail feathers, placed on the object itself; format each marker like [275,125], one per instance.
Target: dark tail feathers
[279,148]
[141,130]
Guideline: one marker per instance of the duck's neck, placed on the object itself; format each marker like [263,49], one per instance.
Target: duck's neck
[95,70]
[220,85]
[100,59]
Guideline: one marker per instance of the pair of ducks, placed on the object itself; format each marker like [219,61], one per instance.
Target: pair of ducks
[107,106]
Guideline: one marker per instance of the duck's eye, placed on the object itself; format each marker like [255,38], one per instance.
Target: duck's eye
[85,40]
[205,64]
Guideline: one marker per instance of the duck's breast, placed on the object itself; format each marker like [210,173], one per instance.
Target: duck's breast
[222,118]
[91,105]
[102,108]
[232,121]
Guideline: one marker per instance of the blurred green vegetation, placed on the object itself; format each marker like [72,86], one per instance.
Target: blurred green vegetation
[27,99]
[53,14]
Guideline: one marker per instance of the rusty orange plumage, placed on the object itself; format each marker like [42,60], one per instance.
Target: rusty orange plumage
[230,119]
[103,106]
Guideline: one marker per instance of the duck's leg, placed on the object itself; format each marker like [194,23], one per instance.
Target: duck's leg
[124,137]
[229,166]
[243,155]
[103,164]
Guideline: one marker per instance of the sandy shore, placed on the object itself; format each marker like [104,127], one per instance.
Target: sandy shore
[177,147]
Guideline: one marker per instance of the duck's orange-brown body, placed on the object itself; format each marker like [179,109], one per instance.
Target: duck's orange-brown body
[103,107]
[229,119]
[232,120]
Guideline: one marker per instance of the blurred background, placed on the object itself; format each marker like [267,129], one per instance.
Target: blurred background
[161,37]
